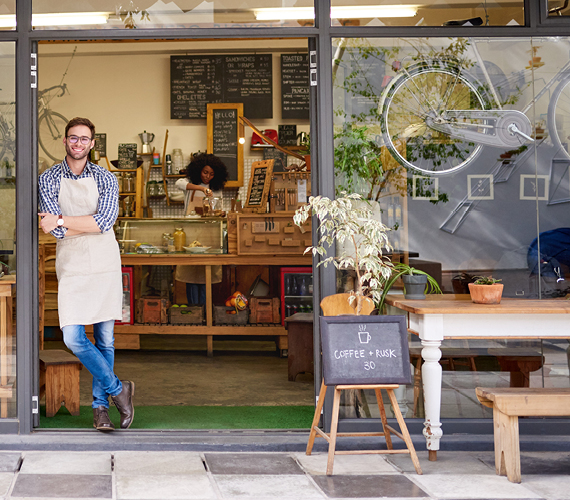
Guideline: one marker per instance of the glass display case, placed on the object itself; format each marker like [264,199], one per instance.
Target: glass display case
[296,291]
[201,235]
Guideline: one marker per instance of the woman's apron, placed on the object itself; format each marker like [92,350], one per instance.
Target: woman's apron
[88,266]
[196,274]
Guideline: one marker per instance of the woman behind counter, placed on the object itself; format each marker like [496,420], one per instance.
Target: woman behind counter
[207,176]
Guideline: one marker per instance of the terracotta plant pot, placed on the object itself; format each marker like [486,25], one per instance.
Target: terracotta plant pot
[486,294]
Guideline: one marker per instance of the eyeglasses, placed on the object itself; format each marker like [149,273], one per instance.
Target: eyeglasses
[74,139]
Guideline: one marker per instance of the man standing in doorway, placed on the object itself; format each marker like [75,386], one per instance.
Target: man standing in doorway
[78,203]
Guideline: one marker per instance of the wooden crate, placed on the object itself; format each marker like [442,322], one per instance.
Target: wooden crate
[152,310]
[190,315]
[264,310]
[222,316]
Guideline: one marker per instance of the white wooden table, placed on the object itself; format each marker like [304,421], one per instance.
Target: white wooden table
[442,317]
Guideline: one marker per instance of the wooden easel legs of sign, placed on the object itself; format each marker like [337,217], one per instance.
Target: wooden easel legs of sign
[331,437]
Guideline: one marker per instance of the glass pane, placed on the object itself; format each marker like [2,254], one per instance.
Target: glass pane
[463,144]
[427,13]
[56,14]
[8,15]
[558,8]
[7,231]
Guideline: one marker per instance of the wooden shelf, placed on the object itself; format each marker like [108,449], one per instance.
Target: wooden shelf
[127,194]
[175,176]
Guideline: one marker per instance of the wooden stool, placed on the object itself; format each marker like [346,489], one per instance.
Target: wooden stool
[59,381]
[510,403]
[386,429]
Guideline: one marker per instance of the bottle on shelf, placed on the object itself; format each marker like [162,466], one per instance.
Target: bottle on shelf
[287,285]
[294,289]
[179,239]
[169,167]
[303,286]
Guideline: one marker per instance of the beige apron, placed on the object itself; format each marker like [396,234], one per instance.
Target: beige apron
[196,274]
[88,266]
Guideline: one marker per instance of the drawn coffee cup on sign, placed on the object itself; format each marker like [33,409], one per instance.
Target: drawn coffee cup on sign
[363,335]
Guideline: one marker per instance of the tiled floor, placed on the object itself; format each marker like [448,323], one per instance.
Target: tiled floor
[163,475]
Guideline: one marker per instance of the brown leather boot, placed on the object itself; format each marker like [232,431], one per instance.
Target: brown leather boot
[124,403]
[101,420]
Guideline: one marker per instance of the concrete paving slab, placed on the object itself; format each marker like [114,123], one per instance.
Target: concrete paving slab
[251,463]
[556,463]
[10,461]
[448,462]
[132,463]
[385,486]
[6,479]
[66,462]
[266,487]
[469,486]
[62,486]
[316,464]
[158,487]
[549,486]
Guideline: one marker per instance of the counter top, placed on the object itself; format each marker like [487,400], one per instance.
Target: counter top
[165,259]
[462,304]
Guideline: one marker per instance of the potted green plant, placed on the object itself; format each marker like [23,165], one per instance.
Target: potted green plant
[486,290]
[416,283]
[349,219]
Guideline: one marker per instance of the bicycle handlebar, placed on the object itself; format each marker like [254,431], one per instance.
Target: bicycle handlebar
[63,88]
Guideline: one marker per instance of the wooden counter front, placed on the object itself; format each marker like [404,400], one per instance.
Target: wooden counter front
[166,259]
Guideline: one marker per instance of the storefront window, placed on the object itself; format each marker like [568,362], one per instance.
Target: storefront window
[429,13]
[50,14]
[7,230]
[8,15]
[464,146]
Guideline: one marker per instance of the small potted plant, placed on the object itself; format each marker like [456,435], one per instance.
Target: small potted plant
[486,290]
[416,283]
[349,218]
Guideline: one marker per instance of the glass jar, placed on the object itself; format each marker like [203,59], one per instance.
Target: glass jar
[151,188]
[179,239]
[160,188]
[168,242]
[128,183]
[177,160]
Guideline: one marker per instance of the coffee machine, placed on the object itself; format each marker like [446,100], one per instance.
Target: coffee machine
[146,139]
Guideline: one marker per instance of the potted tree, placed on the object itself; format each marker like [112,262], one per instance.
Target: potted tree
[416,283]
[486,290]
[349,218]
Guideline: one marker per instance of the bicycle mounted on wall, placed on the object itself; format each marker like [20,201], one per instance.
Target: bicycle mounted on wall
[436,116]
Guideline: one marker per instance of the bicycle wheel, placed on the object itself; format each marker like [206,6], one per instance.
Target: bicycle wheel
[421,96]
[51,129]
[559,118]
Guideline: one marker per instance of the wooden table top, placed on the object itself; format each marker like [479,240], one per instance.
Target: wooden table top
[462,304]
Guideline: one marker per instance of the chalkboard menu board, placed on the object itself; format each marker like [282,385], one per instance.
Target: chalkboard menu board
[280,158]
[294,86]
[198,80]
[127,156]
[259,184]
[365,350]
[101,144]
[223,135]
[287,135]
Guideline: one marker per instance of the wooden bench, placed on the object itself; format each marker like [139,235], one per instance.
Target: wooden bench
[508,404]
[59,381]
[520,362]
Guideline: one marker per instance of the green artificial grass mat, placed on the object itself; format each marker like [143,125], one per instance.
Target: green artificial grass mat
[191,417]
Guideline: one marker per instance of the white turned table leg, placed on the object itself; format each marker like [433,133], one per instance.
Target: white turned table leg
[431,377]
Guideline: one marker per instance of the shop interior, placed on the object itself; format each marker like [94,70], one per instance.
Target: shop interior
[127,91]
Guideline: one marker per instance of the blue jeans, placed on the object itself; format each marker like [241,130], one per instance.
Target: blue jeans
[195,293]
[98,359]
